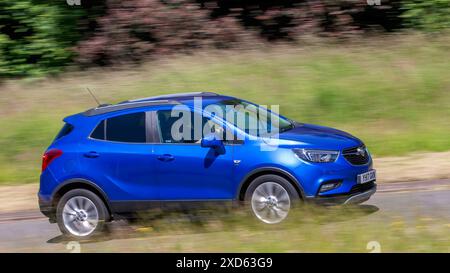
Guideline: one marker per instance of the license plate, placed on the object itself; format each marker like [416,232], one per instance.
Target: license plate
[366,177]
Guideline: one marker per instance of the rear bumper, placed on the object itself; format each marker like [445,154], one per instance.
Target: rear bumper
[46,208]
[355,198]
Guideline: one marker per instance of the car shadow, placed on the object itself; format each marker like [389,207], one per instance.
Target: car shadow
[362,209]
[344,213]
[124,231]
[138,228]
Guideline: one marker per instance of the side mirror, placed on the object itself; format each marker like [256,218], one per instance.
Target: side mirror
[211,141]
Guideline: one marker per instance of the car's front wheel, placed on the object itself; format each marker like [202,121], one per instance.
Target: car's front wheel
[81,214]
[270,198]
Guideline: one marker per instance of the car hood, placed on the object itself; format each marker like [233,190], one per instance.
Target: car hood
[320,137]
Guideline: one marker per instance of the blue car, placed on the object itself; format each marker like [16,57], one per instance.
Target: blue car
[114,160]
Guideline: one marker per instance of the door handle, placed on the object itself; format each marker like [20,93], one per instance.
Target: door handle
[91,154]
[166,157]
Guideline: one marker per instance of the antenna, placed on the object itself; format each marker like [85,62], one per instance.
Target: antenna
[92,94]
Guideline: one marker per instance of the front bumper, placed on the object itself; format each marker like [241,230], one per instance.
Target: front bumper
[352,198]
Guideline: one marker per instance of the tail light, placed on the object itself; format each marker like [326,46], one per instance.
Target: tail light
[49,156]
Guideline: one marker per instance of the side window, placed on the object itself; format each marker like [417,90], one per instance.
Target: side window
[99,132]
[165,124]
[124,128]
[180,129]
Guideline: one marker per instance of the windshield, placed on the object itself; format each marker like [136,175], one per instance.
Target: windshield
[252,119]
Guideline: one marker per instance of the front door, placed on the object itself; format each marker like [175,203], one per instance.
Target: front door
[187,171]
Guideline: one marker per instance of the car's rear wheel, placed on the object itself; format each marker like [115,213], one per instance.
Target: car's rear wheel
[81,214]
[270,198]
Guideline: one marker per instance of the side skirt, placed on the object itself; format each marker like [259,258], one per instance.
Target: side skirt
[126,207]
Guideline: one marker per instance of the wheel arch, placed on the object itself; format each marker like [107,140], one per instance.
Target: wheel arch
[268,170]
[79,183]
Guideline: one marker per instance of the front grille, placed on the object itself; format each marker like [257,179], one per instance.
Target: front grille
[356,155]
[361,187]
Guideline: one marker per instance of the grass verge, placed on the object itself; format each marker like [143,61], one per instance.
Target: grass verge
[311,229]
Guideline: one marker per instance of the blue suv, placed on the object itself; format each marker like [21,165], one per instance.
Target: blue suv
[114,160]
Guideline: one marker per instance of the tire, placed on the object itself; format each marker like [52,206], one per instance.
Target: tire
[270,198]
[81,214]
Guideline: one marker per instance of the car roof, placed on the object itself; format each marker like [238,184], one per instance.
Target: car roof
[168,99]
[176,96]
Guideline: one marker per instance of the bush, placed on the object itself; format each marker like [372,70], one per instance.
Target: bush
[39,37]
[35,37]
[134,30]
[430,15]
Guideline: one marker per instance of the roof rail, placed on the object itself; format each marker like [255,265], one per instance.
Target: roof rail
[125,105]
[176,95]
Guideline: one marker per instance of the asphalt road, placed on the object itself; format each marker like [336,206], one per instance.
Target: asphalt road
[30,232]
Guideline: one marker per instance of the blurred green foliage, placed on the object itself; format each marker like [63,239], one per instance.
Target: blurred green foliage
[36,37]
[429,15]
[39,37]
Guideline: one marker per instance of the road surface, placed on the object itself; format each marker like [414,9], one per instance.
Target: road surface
[30,232]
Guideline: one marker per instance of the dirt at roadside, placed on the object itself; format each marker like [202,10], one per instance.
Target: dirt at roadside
[18,198]
[417,166]
[425,166]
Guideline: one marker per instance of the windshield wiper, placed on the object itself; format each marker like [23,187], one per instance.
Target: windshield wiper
[287,128]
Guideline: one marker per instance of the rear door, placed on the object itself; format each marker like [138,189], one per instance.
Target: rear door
[119,156]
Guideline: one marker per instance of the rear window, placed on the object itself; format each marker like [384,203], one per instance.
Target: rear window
[65,130]
[124,128]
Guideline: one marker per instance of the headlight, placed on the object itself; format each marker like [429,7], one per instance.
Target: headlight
[316,156]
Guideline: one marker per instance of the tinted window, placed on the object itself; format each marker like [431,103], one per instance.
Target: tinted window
[99,132]
[126,128]
[258,121]
[65,130]
[172,130]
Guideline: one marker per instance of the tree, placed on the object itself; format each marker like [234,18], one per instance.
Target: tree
[36,37]
[430,15]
